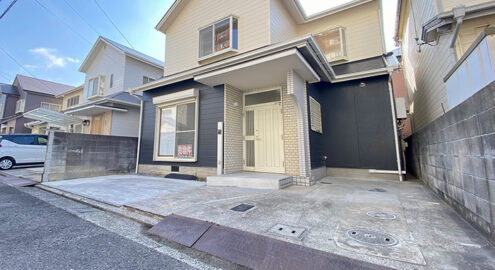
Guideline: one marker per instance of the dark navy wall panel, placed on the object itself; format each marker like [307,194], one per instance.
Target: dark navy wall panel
[210,113]
[357,125]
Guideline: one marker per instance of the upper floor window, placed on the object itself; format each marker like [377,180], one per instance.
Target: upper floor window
[19,106]
[218,38]
[50,106]
[147,79]
[95,86]
[332,43]
[73,101]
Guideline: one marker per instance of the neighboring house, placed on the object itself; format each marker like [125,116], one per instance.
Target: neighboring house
[400,94]
[299,95]
[26,94]
[101,106]
[448,51]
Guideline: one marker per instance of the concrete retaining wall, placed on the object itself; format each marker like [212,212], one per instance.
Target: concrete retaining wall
[455,156]
[71,156]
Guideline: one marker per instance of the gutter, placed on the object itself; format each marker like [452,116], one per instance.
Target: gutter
[396,135]
[240,58]
[139,129]
[459,13]
[449,17]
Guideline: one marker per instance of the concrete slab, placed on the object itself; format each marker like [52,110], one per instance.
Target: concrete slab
[119,190]
[251,180]
[431,235]
[17,181]
[27,172]
[183,230]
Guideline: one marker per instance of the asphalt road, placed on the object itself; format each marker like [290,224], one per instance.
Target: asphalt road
[37,235]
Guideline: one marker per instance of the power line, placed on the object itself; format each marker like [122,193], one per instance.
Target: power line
[82,18]
[15,61]
[104,13]
[21,66]
[8,8]
[66,24]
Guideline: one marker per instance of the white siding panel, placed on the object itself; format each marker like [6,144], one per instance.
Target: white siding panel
[108,60]
[425,70]
[125,123]
[135,70]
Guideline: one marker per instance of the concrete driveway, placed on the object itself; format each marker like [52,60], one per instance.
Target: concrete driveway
[120,190]
[422,231]
[33,173]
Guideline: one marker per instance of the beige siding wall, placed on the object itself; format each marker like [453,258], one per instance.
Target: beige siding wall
[73,94]
[425,70]
[470,30]
[282,26]
[364,38]
[182,35]
[447,5]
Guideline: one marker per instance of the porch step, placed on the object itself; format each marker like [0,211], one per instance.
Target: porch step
[251,180]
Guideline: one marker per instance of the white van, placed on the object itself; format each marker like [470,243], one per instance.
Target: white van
[22,149]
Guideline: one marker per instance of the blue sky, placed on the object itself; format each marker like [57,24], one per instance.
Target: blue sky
[52,44]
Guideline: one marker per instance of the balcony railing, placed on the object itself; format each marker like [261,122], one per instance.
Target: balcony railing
[475,69]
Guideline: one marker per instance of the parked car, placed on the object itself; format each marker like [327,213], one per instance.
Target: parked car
[22,149]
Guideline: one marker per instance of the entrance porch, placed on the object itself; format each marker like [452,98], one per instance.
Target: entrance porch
[265,129]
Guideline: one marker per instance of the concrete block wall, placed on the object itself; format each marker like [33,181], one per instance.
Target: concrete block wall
[455,156]
[71,156]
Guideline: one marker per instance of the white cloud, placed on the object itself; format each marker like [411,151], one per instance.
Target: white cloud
[31,66]
[54,60]
[70,59]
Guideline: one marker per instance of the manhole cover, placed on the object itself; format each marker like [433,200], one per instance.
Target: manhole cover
[370,237]
[242,207]
[377,190]
[381,215]
[286,230]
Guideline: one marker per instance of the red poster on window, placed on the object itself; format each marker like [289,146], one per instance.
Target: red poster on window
[184,150]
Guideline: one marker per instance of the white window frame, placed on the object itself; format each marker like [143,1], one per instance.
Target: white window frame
[171,100]
[147,79]
[71,102]
[343,47]
[315,108]
[230,49]
[20,106]
[50,105]
[101,86]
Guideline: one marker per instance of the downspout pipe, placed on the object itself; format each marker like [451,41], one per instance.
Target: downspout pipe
[459,13]
[139,130]
[394,123]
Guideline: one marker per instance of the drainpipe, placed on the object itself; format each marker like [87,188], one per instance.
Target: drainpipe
[139,130]
[459,12]
[394,122]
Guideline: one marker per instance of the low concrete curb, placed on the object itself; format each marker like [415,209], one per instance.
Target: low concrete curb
[142,218]
[248,249]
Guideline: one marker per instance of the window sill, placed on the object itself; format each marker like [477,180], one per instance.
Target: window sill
[200,59]
[155,158]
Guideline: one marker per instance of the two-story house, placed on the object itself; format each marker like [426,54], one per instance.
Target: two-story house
[259,86]
[24,95]
[448,50]
[101,106]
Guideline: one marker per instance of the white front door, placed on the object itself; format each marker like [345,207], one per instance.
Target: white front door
[263,138]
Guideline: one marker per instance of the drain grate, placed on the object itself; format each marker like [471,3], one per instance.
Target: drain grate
[242,207]
[286,230]
[381,215]
[377,190]
[370,237]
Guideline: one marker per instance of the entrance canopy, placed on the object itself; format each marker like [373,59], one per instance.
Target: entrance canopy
[91,110]
[261,72]
[52,117]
